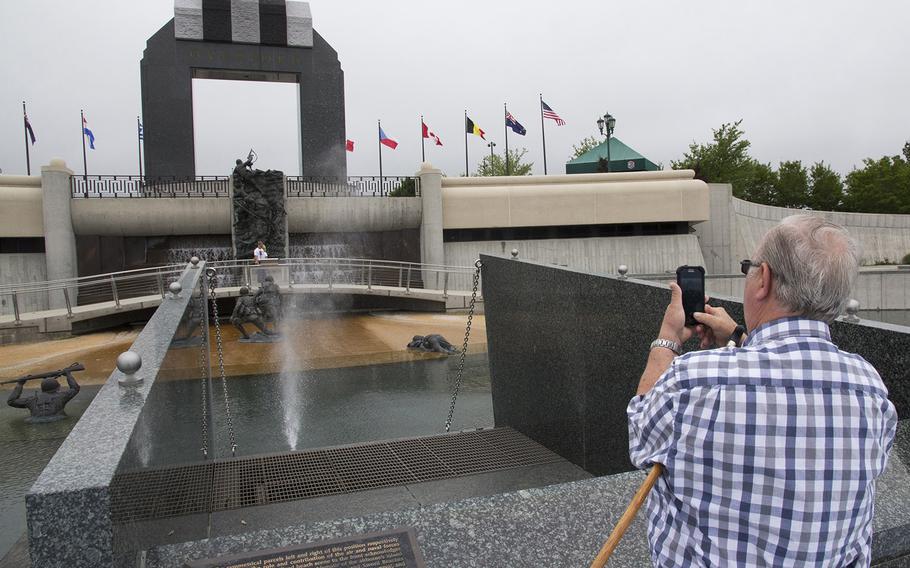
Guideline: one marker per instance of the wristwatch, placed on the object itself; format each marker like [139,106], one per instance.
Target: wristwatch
[667,344]
[736,337]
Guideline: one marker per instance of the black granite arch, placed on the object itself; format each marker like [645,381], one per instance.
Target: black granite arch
[169,65]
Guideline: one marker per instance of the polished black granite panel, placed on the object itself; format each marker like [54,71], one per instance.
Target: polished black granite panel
[169,65]
[567,348]
[216,20]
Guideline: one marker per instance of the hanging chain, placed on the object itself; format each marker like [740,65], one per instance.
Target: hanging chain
[210,272]
[200,308]
[464,348]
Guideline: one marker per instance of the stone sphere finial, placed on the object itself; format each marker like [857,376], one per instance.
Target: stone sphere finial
[194,260]
[129,363]
[622,269]
[174,288]
[852,308]
[514,253]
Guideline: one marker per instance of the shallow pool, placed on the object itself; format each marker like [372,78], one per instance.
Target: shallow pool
[310,409]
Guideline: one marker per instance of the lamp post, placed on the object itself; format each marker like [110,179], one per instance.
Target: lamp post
[492,145]
[606,124]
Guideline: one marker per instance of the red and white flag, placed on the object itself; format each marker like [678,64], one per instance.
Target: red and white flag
[349,145]
[427,133]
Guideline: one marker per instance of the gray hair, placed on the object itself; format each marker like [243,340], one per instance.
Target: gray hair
[814,263]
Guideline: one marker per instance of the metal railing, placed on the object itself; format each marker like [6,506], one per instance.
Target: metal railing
[114,287]
[327,273]
[104,186]
[356,186]
[335,272]
[88,187]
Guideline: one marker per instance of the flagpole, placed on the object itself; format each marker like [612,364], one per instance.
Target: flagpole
[28,160]
[379,123]
[423,150]
[465,142]
[84,157]
[505,110]
[543,132]
[139,141]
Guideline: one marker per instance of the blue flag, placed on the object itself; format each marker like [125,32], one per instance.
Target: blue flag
[87,132]
[140,129]
[516,127]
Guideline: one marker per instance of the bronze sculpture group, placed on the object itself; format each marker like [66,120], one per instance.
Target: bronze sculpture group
[259,210]
[261,309]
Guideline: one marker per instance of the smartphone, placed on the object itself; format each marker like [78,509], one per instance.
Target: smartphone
[691,280]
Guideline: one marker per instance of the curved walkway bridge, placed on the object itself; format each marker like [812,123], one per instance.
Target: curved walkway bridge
[86,303]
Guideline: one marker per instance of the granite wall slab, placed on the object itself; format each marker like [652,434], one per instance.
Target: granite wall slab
[567,349]
[68,508]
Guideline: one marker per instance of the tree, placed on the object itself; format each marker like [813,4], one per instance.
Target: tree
[407,188]
[725,160]
[907,151]
[584,145]
[496,165]
[792,188]
[881,186]
[826,190]
[756,182]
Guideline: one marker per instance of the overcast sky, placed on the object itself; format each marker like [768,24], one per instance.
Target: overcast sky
[812,80]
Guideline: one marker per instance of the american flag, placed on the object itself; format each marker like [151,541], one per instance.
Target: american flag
[549,113]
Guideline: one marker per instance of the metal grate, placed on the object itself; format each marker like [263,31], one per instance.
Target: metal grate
[161,493]
[248,482]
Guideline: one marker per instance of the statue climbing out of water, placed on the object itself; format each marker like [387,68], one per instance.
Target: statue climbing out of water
[434,343]
[246,311]
[47,404]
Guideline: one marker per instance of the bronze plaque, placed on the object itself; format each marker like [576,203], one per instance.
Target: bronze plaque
[388,549]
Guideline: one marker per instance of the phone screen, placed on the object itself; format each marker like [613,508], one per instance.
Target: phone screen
[691,280]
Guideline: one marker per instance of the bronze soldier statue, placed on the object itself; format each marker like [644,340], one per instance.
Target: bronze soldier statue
[47,404]
[246,311]
[268,300]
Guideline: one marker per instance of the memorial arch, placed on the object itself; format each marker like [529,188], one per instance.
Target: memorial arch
[251,40]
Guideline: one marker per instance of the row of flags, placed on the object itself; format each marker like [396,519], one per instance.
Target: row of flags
[471,127]
[385,140]
[86,131]
[87,134]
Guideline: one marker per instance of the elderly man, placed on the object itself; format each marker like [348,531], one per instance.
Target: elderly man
[771,448]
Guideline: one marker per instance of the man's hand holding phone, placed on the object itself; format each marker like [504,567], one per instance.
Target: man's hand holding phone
[714,326]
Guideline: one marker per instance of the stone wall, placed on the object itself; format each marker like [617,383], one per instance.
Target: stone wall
[602,255]
[19,268]
[737,226]
[21,214]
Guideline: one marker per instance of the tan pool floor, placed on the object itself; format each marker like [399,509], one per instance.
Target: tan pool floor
[328,342]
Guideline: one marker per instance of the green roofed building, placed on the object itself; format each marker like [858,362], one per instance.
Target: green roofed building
[622,159]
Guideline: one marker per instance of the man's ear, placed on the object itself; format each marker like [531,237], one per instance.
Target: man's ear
[765,282]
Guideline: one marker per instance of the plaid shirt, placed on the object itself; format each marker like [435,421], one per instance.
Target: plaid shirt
[771,452]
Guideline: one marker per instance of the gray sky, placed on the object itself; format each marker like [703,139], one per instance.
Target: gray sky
[813,80]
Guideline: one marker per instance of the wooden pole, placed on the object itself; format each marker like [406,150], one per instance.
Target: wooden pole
[620,529]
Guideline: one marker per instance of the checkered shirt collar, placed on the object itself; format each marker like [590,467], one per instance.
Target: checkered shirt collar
[788,327]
